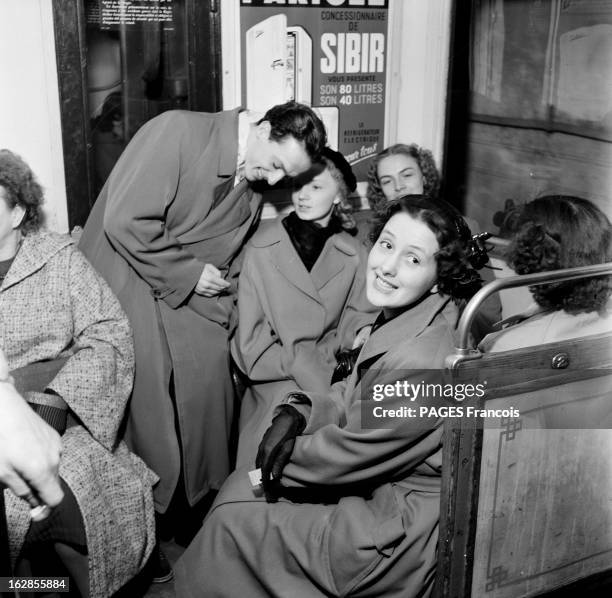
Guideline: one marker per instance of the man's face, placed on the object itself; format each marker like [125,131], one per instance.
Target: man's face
[269,160]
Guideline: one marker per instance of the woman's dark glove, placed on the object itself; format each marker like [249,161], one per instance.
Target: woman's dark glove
[276,447]
[346,361]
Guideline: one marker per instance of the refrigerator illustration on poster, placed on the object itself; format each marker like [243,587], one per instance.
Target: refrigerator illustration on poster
[279,69]
[323,55]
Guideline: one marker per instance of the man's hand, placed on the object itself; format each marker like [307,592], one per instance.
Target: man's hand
[276,447]
[29,451]
[211,282]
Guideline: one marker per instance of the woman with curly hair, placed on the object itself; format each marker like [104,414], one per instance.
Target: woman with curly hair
[352,489]
[555,232]
[69,346]
[301,298]
[402,169]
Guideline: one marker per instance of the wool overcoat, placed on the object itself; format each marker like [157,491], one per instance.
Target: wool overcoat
[378,537]
[53,305]
[168,208]
[540,326]
[537,326]
[292,322]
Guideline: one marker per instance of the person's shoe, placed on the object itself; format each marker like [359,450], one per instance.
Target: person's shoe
[162,570]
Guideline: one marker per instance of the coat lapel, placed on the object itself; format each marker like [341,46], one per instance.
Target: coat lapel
[237,207]
[34,253]
[222,190]
[407,325]
[331,261]
[228,150]
[288,263]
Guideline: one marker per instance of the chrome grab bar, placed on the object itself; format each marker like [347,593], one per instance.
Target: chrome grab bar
[498,242]
[511,282]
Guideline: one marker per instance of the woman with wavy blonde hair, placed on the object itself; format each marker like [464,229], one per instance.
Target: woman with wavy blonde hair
[402,169]
[301,297]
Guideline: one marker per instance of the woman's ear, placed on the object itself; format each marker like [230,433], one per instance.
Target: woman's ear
[337,199]
[434,289]
[17,216]
[263,130]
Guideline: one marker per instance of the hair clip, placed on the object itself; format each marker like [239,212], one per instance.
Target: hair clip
[477,250]
[481,237]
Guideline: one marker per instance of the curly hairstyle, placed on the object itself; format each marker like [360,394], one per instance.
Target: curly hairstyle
[299,121]
[456,275]
[427,166]
[343,210]
[562,231]
[21,189]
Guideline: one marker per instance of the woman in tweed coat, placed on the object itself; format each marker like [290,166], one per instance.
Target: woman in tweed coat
[53,305]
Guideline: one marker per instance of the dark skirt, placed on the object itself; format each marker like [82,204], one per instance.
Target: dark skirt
[64,525]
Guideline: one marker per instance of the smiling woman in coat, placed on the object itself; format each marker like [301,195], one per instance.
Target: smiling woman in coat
[301,298]
[59,319]
[351,507]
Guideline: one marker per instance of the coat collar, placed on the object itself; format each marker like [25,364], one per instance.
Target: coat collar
[228,144]
[228,154]
[332,260]
[275,232]
[533,310]
[405,326]
[286,259]
[35,251]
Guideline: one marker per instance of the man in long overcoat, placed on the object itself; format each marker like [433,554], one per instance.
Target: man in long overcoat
[165,233]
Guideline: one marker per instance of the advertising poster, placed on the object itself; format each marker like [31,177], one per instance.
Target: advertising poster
[330,54]
[110,14]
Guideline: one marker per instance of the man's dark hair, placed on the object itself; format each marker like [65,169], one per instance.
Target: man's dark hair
[299,121]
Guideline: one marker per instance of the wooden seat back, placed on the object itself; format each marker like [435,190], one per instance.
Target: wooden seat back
[526,503]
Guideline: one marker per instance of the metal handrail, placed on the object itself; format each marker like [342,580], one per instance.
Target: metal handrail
[511,282]
[498,242]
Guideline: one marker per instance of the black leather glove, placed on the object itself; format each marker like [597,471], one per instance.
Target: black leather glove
[276,447]
[346,361]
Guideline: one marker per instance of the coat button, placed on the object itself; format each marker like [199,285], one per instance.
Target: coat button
[156,293]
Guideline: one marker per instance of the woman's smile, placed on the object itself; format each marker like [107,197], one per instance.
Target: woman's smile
[384,285]
[402,264]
